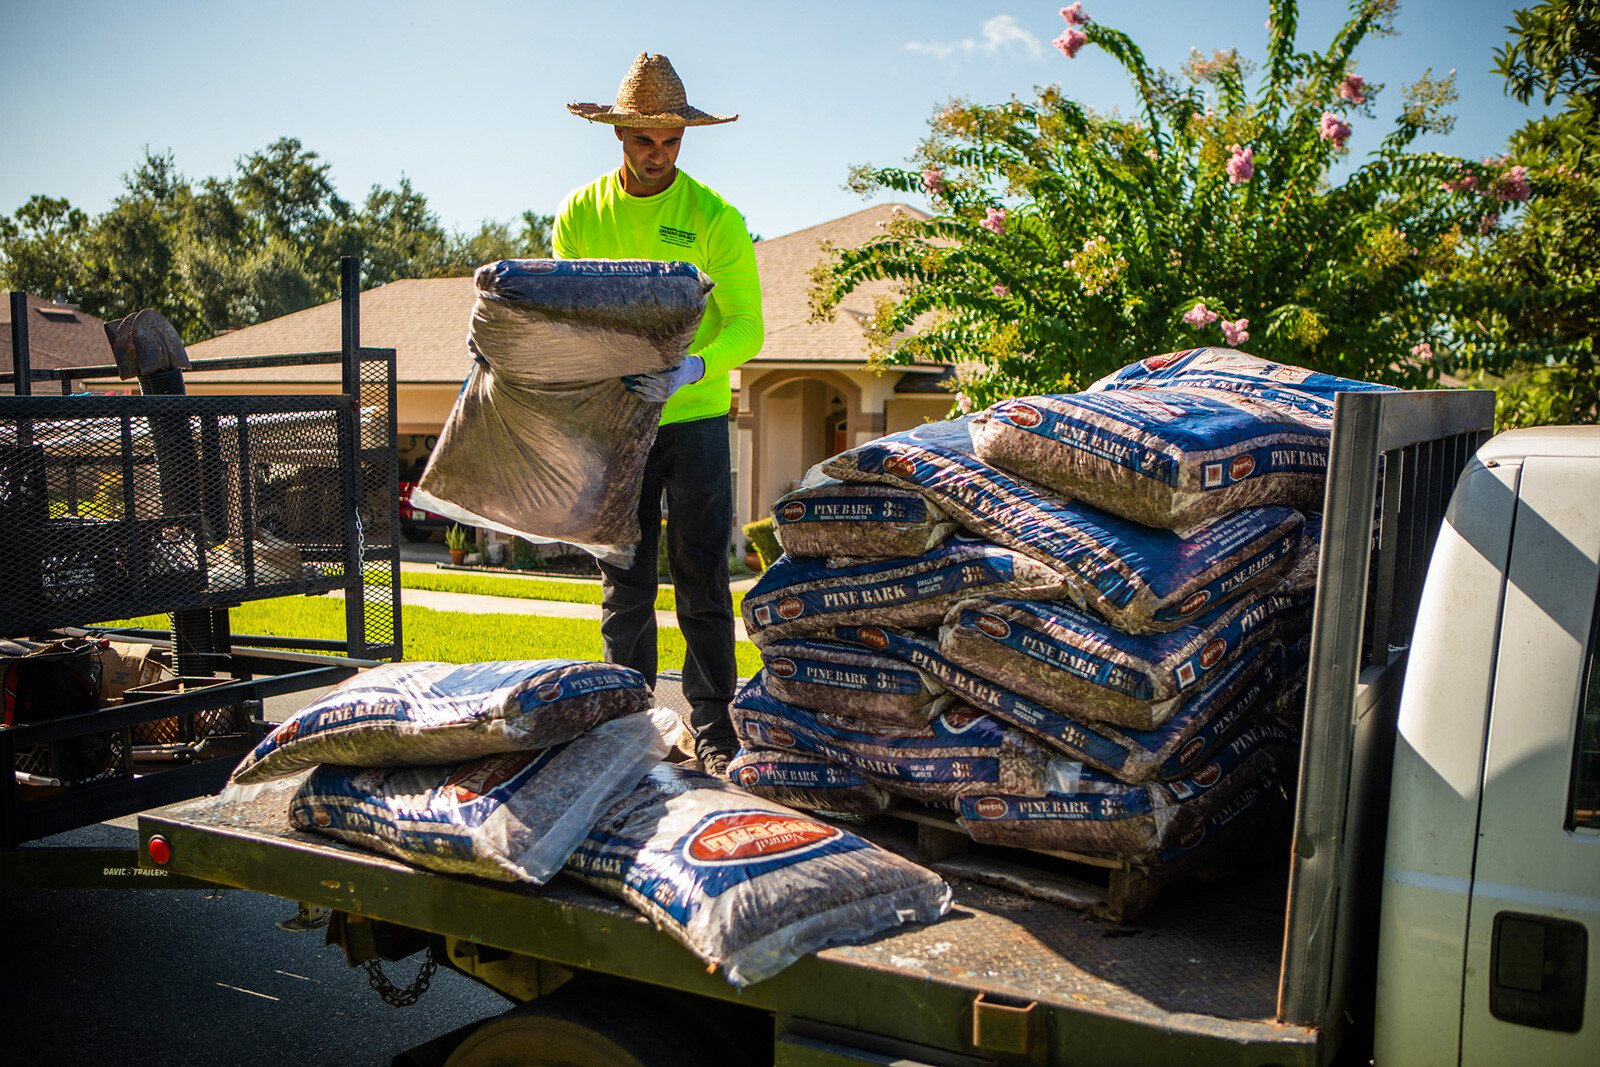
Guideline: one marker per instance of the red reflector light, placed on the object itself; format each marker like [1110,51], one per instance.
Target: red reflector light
[160,851]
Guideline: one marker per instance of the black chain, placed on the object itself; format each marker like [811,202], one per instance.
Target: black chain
[393,994]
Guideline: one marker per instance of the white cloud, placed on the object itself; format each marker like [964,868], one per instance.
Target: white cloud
[998,34]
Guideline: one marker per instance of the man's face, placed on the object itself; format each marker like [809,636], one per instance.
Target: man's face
[649,157]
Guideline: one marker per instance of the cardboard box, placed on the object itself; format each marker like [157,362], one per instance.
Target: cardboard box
[123,665]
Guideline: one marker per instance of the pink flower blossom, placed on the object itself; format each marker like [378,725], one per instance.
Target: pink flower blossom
[1241,165]
[1070,41]
[1235,332]
[1001,291]
[995,220]
[1422,351]
[964,403]
[1199,315]
[1489,223]
[933,180]
[1353,89]
[1074,14]
[1464,184]
[1334,129]
[1514,186]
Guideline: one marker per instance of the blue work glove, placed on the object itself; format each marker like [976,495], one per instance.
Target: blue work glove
[656,388]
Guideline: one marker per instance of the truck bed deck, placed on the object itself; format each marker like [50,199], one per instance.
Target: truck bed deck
[1205,961]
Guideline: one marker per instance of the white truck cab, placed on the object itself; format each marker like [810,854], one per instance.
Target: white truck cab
[1491,888]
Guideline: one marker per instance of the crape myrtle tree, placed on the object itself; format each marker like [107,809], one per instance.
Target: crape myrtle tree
[1538,349]
[1065,243]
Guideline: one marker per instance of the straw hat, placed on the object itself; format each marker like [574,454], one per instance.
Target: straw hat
[651,95]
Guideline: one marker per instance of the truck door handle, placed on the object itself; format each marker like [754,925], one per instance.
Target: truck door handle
[1537,966]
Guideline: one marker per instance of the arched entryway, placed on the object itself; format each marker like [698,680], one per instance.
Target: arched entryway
[791,420]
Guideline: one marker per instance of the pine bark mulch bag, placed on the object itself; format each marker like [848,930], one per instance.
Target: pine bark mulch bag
[799,595]
[1141,579]
[806,781]
[544,441]
[849,680]
[1074,663]
[1098,814]
[959,752]
[872,521]
[1302,575]
[1248,686]
[745,883]
[399,714]
[515,816]
[1173,458]
[1306,393]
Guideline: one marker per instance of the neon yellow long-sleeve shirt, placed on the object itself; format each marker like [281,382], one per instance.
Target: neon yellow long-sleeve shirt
[687,221]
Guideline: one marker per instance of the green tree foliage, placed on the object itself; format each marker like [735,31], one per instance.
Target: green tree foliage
[1539,354]
[1066,243]
[223,253]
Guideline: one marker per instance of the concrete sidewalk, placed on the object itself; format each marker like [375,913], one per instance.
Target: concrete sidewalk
[417,558]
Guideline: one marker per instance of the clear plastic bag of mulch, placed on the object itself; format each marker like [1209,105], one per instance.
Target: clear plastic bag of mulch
[544,441]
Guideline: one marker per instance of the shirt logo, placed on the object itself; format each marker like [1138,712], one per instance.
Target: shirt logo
[677,238]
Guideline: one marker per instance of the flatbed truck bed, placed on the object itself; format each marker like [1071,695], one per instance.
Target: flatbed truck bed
[1060,983]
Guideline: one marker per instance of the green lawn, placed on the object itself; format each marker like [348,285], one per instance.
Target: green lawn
[451,636]
[570,592]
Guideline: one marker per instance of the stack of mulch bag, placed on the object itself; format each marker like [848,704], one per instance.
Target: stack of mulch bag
[1077,620]
[516,770]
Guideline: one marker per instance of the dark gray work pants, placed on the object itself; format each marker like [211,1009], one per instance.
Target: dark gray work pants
[689,463]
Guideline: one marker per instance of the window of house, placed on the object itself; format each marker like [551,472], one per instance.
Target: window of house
[1583,803]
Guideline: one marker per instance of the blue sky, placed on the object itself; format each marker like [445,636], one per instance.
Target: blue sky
[467,99]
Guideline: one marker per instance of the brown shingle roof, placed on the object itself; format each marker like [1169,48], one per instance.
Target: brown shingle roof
[423,319]
[785,264]
[59,335]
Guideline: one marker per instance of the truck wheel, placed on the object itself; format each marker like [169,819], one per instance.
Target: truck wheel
[578,1032]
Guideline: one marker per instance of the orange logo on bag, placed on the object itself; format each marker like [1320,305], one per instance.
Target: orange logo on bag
[1207,776]
[1195,602]
[475,779]
[1192,838]
[1212,654]
[756,835]
[991,808]
[1157,362]
[793,511]
[1191,751]
[993,625]
[780,736]
[783,668]
[749,776]
[1241,467]
[873,637]
[1025,415]
[789,607]
[900,467]
[320,816]
[549,691]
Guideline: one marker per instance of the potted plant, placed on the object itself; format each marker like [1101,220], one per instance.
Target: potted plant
[751,559]
[458,539]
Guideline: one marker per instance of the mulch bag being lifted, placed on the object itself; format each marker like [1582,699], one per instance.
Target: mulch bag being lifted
[874,521]
[1141,579]
[544,441]
[1251,685]
[801,780]
[1173,458]
[516,816]
[1096,813]
[800,595]
[744,882]
[958,753]
[400,714]
[1073,662]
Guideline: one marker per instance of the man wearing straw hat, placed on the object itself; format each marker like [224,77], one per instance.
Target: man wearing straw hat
[649,209]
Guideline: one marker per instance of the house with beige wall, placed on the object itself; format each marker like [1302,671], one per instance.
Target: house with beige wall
[803,398]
